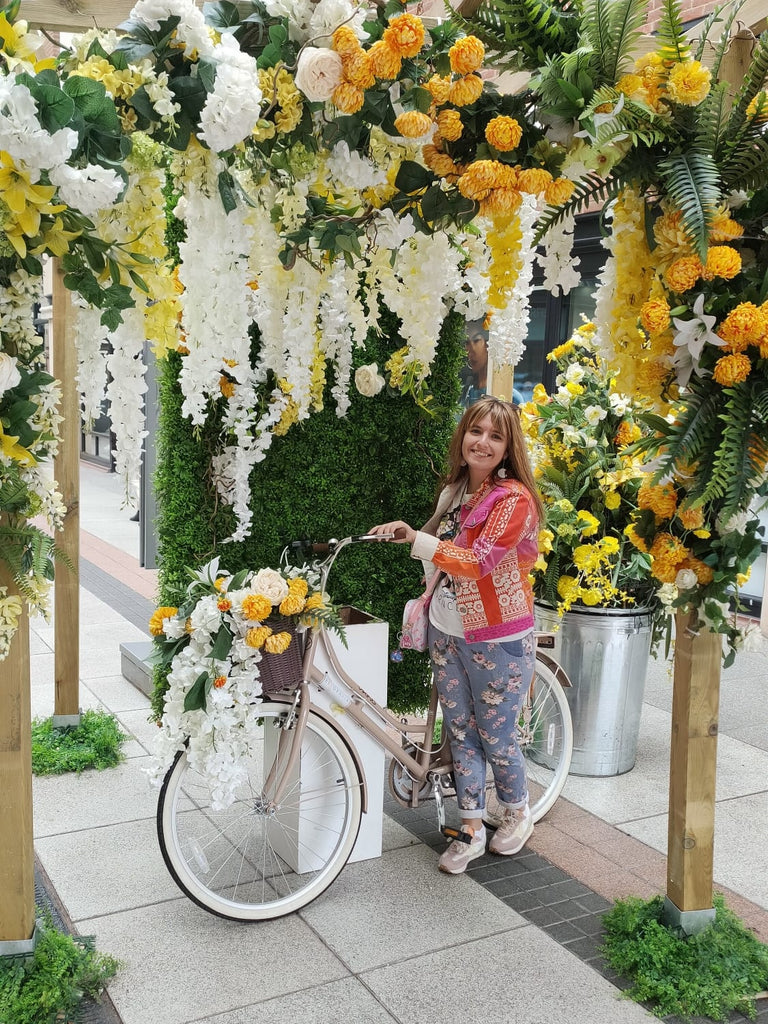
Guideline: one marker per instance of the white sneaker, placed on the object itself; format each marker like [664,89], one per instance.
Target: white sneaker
[513,833]
[455,859]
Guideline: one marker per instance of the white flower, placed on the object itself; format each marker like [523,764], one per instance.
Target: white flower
[686,579]
[593,414]
[737,523]
[89,189]
[9,373]
[667,594]
[271,584]
[696,332]
[563,397]
[751,639]
[620,404]
[205,615]
[318,73]
[232,110]
[368,380]
[575,373]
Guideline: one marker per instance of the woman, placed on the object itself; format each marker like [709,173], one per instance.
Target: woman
[483,537]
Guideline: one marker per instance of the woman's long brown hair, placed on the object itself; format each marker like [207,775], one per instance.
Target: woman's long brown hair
[506,419]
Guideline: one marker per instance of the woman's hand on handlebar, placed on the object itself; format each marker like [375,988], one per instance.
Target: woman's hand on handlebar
[404,534]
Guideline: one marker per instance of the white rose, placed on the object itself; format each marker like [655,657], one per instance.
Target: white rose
[685,579]
[9,373]
[368,380]
[318,73]
[271,584]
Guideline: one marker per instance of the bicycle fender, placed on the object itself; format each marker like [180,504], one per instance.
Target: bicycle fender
[321,713]
[554,667]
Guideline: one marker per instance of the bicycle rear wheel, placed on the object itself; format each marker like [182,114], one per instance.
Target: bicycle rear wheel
[253,861]
[545,735]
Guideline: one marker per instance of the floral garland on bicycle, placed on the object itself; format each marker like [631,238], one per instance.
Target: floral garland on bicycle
[210,646]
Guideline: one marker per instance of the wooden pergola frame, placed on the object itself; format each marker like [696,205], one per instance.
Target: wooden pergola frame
[697,655]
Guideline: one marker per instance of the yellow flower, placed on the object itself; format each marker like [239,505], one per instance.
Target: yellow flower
[742,578]
[291,605]
[257,636]
[683,273]
[534,180]
[590,596]
[545,540]
[56,239]
[449,124]
[439,88]
[314,602]
[609,545]
[156,621]
[219,681]
[503,133]
[627,433]
[466,91]
[299,586]
[661,499]
[357,70]
[385,62]
[724,228]
[691,518]
[654,315]
[634,538]
[559,191]
[348,98]
[16,46]
[438,162]
[501,204]
[745,325]
[277,643]
[732,370]
[703,572]
[404,35]
[256,607]
[758,107]
[9,445]
[479,178]
[226,387]
[592,524]
[466,55]
[564,505]
[344,41]
[612,500]
[722,261]
[568,588]
[667,554]
[540,393]
[688,83]
[413,124]
[586,557]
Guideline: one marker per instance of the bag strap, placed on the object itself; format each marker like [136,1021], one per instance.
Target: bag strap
[434,579]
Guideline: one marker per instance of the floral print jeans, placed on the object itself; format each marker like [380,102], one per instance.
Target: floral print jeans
[481,688]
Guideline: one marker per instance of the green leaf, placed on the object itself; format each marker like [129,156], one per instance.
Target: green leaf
[227,191]
[412,177]
[222,644]
[692,183]
[221,15]
[195,697]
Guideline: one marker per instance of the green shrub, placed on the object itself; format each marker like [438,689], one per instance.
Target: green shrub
[95,743]
[49,985]
[327,477]
[709,974]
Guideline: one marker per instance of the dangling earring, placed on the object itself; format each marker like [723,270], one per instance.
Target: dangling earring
[463,462]
[501,472]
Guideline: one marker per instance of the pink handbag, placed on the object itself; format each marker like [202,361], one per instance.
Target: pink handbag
[413,636]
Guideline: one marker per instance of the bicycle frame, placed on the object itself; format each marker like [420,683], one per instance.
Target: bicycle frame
[430,763]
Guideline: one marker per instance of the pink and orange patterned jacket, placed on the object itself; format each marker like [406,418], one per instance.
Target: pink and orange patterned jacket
[489,560]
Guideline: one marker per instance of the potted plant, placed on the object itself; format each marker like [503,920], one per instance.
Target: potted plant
[594,585]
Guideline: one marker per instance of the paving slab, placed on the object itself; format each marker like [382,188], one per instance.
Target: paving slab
[181,964]
[342,1002]
[522,976]
[108,869]
[67,803]
[117,694]
[384,910]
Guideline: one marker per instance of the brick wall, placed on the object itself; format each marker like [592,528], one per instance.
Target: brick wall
[692,10]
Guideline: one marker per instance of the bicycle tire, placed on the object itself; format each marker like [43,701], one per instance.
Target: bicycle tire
[545,735]
[546,740]
[249,862]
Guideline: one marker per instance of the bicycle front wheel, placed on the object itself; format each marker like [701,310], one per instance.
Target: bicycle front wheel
[545,735]
[255,860]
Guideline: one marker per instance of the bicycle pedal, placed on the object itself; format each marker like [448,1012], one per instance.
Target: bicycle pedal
[456,833]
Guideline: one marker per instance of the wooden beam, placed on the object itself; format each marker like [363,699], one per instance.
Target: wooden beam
[17,865]
[66,470]
[692,765]
[75,15]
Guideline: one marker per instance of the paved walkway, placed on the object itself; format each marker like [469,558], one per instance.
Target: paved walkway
[393,940]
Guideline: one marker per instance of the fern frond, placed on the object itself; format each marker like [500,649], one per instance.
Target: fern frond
[747,166]
[692,182]
[590,189]
[712,121]
[14,495]
[520,33]
[709,23]
[670,32]
[754,81]
[695,431]
[627,18]
[596,25]
[725,37]
[732,467]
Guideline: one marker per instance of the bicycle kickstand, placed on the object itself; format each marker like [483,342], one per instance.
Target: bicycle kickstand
[437,792]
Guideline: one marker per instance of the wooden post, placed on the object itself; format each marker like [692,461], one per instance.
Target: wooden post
[692,770]
[17,865]
[66,469]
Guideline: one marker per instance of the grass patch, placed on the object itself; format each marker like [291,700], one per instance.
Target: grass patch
[49,984]
[95,743]
[707,975]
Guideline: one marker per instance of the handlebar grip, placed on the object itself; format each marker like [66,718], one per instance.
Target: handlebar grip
[320,549]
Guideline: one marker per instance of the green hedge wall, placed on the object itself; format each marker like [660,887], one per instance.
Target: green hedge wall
[327,477]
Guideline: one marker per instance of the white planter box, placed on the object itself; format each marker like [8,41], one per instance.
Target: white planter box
[365,659]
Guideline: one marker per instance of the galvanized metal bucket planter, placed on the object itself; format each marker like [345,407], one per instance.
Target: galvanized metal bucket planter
[605,652]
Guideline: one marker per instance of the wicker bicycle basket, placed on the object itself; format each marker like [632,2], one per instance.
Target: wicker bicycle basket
[281,673]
